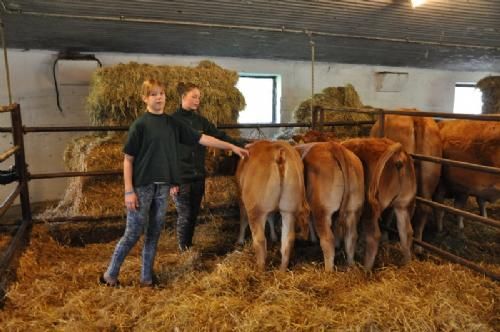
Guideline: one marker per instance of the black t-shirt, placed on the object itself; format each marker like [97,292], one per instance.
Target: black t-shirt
[153,140]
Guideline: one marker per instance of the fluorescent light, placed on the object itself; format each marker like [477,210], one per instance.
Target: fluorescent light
[416,3]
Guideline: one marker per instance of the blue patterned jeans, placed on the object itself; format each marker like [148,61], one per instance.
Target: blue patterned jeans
[148,218]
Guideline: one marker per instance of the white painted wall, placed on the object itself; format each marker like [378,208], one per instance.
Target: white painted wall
[33,88]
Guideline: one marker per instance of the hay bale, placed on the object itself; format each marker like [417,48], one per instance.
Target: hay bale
[92,195]
[220,191]
[490,87]
[331,98]
[95,152]
[115,96]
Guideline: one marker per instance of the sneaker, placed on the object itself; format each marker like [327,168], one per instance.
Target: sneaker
[103,281]
[184,247]
[155,282]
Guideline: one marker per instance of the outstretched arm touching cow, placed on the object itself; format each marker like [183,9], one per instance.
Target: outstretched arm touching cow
[213,142]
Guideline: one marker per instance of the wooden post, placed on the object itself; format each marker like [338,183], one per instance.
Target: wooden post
[314,121]
[20,158]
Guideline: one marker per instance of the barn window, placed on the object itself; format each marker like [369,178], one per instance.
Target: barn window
[468,99]
[262,93]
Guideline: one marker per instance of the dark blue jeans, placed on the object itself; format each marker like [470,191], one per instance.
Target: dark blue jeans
[187,203]
[148,218]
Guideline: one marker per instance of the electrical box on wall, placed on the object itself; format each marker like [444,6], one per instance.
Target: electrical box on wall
[389,81]
[75,72]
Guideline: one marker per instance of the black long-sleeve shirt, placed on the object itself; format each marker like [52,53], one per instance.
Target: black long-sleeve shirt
[192,157]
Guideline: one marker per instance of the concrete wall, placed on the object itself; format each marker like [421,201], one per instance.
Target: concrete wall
[33,88]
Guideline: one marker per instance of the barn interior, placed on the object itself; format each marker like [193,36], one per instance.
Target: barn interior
[74,63]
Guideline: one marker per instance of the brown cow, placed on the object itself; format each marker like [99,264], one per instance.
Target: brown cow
[476,142]
[389,182]
[334,182]
[418,135]
[272,179]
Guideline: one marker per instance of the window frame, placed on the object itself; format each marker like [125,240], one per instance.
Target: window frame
[465,85]
[275,95]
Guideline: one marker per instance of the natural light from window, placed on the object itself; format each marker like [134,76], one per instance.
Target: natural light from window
[468,99]
[259,97]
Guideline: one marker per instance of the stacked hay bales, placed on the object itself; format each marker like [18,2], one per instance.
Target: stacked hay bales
[336,98]
[115,94]
[490,87]
[115,99]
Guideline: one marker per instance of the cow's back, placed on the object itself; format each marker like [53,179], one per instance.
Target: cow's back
[419,135]
[399,128]
[475,142]
[369,151]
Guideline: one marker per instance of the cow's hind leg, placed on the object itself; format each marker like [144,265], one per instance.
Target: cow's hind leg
[439,213]
[482,206]
[323,225]
[257,223]
[351,235]
[387,220]
[243,225]
[287,238]
[372,235]
[272,227]
[312,231]
[422,213]
[405,232]
[460,201]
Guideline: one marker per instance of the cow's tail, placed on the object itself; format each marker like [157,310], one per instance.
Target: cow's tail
[377,173]
[302,218]
[280,159]
[302,215]
[339,155]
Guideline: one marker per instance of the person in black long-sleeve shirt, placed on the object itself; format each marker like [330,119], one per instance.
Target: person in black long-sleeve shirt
[192,163]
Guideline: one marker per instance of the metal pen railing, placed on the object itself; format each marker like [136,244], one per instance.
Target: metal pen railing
[22,188]
[317,122]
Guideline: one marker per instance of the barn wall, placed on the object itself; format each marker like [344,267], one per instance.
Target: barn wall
[33,88]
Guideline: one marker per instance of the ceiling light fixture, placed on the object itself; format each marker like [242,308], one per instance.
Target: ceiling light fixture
[416,3]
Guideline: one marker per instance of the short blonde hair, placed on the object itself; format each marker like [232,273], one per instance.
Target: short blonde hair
[149,84]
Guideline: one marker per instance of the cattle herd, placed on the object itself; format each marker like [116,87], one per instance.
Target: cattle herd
[329,187]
